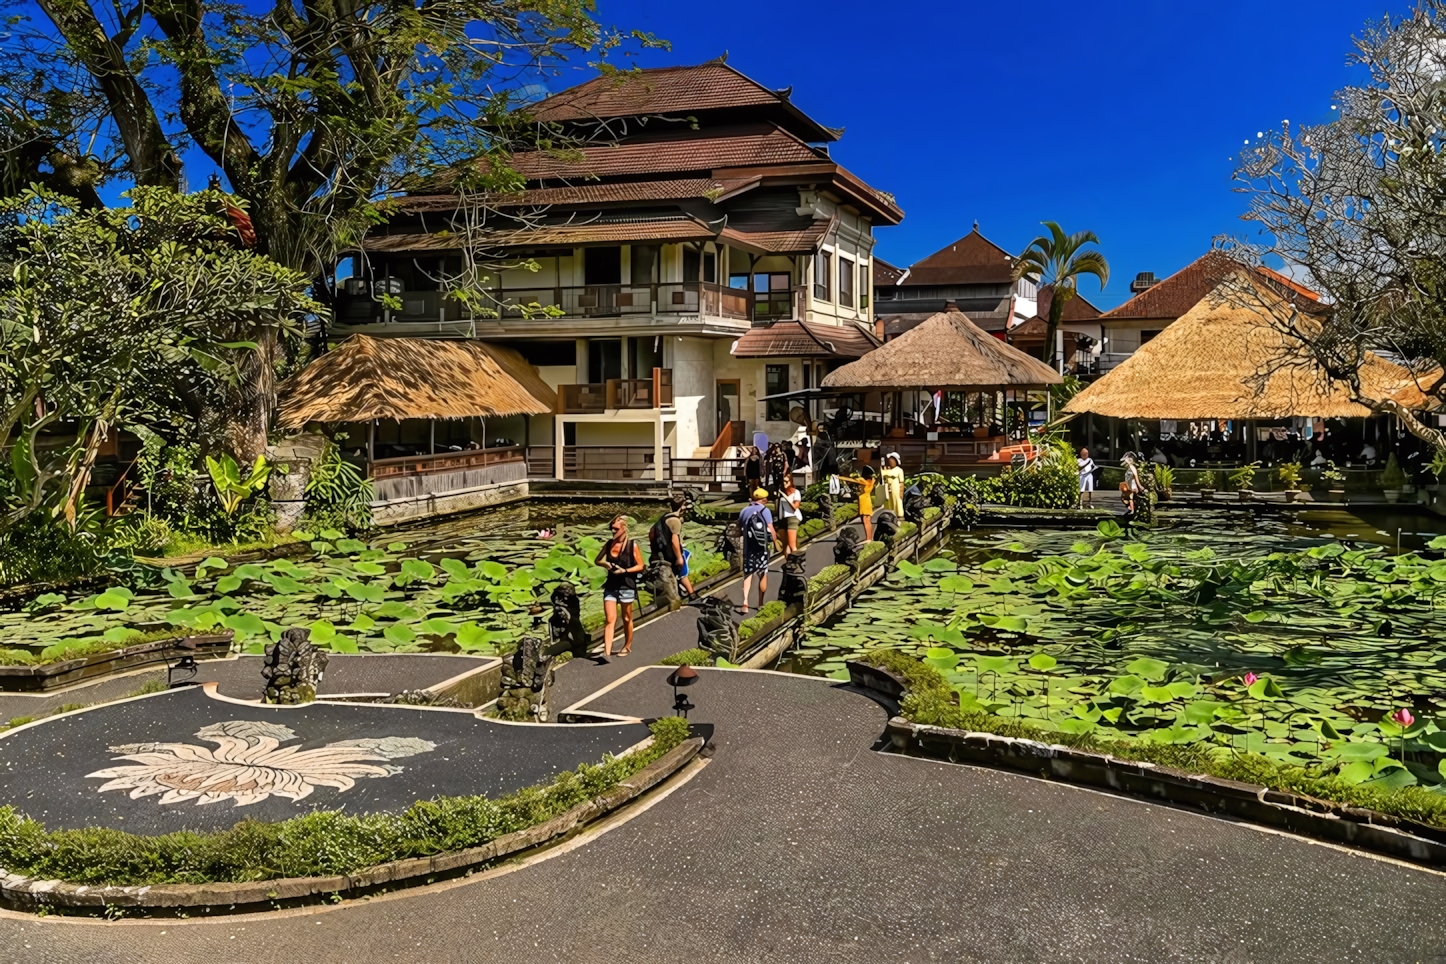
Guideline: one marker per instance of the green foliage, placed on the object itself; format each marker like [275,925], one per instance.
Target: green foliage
[826,578]
[688,657]
[231,487]
[845,513]
[1242,478]
[1060,260]
[1333,474]
[870,552]
[1208,479]
[338,494]
[906,531]
[1392,477]
[1164,478]
[766,614]
[1289,475]
[811,528]
[317,844]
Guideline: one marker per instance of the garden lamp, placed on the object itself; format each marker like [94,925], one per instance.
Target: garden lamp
[681,677]
[185,665]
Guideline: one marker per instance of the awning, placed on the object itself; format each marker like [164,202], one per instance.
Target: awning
[367,378]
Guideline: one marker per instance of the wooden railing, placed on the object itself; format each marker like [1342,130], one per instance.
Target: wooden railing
[613,463]
[617,393]
[730,435]
[715,474]
[443,462]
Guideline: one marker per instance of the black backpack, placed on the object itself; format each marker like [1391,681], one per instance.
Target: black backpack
[660,539]
[755,530]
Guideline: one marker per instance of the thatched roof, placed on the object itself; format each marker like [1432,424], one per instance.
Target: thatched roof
[1225,359]
[946,351]
[395,378]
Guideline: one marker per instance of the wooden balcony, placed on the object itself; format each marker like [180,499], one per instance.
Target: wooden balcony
[617,393]
[443,462]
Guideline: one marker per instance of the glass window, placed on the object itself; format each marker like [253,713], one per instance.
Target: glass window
[845,282]
[822,269]
[738,281]
[775,382]
[710,267]
[691,265]
[645,256]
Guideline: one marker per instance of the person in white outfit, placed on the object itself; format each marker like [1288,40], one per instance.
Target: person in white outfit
[1086,477]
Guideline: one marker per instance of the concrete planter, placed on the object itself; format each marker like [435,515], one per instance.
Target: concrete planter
[54,676]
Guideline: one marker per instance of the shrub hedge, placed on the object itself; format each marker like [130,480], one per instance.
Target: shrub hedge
[688,657]
[766,614]
[315,845]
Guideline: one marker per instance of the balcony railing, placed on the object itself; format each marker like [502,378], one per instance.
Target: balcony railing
[617,393]
[616,301]
[443,462]
[603,463]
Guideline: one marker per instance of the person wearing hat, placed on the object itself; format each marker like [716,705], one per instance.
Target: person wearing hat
[893,478]
[758,538]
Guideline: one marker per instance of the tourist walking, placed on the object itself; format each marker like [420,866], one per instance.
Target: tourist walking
[1131,487]
[753,470]
[894,485]
[790,512]
[758,538]
[1086,478]
[623,560]
[865,481]
[665,542]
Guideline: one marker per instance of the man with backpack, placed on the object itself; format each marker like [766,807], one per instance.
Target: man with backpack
[665,542]
[758,538]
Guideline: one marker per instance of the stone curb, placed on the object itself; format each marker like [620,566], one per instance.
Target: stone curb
[1305,816]
[28,892]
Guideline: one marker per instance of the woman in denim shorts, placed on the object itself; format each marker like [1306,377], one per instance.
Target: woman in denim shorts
[623,560]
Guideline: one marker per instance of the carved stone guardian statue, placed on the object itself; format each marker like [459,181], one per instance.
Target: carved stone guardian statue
[292,668]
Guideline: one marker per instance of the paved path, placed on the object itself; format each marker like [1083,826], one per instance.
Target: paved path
[797,842]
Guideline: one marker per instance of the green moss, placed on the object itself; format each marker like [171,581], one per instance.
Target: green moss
[709,569]
[870,551]
[907,530]
[826,577]
[766,614]
[810,529]
[317,844]
[689,657]
[932,512]
[845,513]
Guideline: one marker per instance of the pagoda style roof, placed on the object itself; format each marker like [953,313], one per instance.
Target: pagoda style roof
[973,259]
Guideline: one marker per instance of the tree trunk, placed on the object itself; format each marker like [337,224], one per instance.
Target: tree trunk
[243,421]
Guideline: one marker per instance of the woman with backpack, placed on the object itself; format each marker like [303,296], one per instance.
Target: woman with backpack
[665,542]
[758,538]
[623,560]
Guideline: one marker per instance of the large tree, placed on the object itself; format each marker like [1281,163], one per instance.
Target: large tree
[1060,260]
[311,111]
[1353,207]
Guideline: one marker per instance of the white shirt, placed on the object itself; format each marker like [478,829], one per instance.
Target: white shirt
[1086,466]
[788,505]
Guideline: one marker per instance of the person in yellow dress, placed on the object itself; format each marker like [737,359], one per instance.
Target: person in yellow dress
[865,481]
[894,486]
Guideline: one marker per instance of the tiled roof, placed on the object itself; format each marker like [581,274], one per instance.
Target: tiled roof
[671,229]
[1178,293]
[801,240]
[748,146]
[886,275]
[800,339]
[973,259]
[622,191]
[1077,308]
[655,91]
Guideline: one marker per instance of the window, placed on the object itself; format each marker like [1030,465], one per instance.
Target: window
[738,281]
[602,266]
[772,296]
[690,266]
[645,257]
[845,282]
[710,267]
[822,269]
[1147,335]
[775,382]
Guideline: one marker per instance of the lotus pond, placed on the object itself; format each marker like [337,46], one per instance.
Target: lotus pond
[464,585]
[1297,638]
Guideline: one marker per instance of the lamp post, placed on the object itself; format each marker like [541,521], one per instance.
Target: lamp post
[683,676]
[183,671]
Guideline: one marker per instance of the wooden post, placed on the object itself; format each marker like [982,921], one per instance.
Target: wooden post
[371,444]
[431,436]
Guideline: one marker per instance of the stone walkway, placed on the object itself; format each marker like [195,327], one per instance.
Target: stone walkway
[797,842]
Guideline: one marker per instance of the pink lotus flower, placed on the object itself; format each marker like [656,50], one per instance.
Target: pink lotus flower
[1250,679]
[1403,718]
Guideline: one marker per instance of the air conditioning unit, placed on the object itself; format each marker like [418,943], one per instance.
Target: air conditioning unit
[354,286]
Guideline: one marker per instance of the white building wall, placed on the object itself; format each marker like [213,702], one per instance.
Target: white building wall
[691,360]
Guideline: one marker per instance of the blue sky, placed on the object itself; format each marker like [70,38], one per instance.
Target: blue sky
[1122,117]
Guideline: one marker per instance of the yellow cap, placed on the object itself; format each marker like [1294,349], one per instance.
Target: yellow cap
[760,493]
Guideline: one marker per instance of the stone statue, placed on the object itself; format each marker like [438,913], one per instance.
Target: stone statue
[846,547]
[565,624]
[795,582]
[526,682]
[292,668]
[716,630]
[662,582]
[825,509]
[886,527]
[730,544]
[937,495]
[914,506]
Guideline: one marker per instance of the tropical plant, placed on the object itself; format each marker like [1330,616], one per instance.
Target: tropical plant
[1392,477]
[231,488]
[1289,475]
[1332,473]
[1164,478]
[338,494]
[1241,478]
[1208,479]
[1059,260]
[1437,465]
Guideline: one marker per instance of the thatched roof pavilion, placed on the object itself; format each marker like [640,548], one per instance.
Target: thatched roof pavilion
[367,378]
[1226,360]
[947,351]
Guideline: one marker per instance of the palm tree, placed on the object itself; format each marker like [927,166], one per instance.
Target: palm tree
[1056,259]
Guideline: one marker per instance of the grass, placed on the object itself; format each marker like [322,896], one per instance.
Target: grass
[767,613]
[314,845]
[930,701]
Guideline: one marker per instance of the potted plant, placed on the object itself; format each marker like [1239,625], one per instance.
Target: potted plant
[1289,474]
[1207,484]
[1164,481]
[1335,481]
[1434,471]
[1392,479]
[1241,478]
